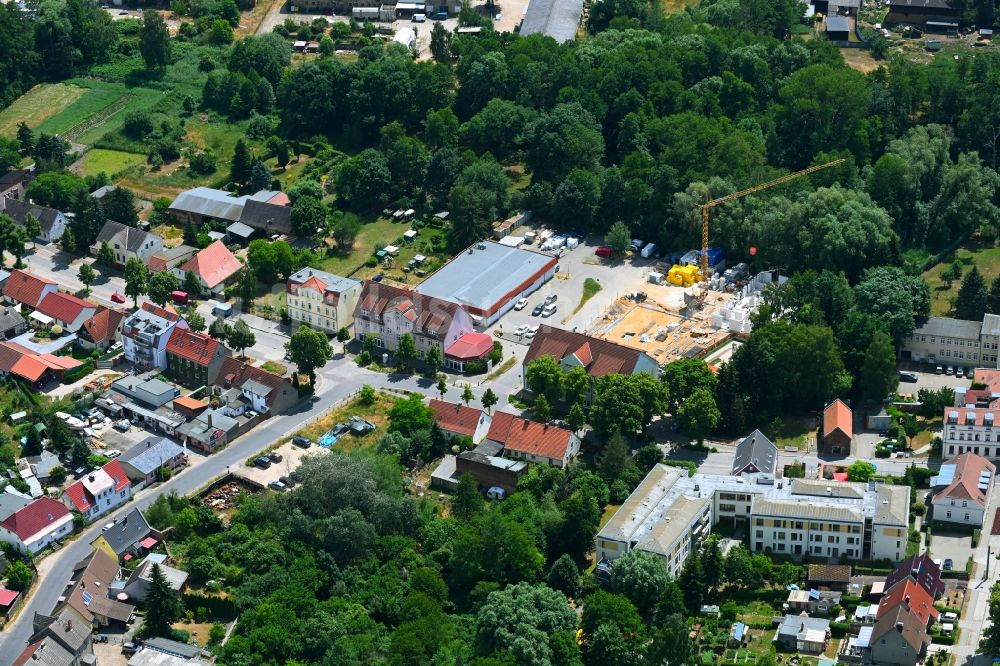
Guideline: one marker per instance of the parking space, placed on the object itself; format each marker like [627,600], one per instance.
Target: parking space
[927,378]
[110,438]
[955,546]
[291,457]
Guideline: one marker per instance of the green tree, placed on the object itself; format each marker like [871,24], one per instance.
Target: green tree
[410,415]
[467,395]
[564,576]
[972,300]
[136,280]
[308,215]
[433,360]
[240,336]
[642,577]
[575,418]
[343,337]
[627,403]
[154,40]
[68,244]
[246,287]
[161,284]
[693,583]
[308,350]
[576,386]
[19,576]
[86,275]
[619,238]
[879,377]
[994,297]
[682,378]
[890,295]
[219,329]
[195,321]
[163,605]
[33,444]
[468,501]
[242,163]
[698,414]
[260,177]
[544,376]
[32,227]
[119,205]
[521,619]
[406,351]
[541,410]
[344,229]
[488,400]
[989,643]
[604,608]
[713,562]
[860,471]
[192,283]
[671,644]
[26,139]
[442,387]
[440,43]
[614,458]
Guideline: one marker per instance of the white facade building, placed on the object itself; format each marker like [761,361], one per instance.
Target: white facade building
[321,300]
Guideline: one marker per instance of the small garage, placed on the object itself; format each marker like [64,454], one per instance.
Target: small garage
[838,28]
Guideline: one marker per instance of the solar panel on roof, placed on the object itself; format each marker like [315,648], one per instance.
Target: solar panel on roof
[87,597]
[946,475]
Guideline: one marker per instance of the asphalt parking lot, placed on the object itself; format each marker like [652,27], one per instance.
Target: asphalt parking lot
[928,379]
[950,545]
[123,441]
[292,457]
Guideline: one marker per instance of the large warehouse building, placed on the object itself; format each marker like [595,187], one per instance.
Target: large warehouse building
[488,278]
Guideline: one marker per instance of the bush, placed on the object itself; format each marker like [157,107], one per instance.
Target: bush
[686,464]
[976,533]
[371,262]
[839,629]
[475,368]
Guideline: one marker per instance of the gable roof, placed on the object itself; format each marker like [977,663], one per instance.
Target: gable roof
[598,357]
[920,568]
[234,373]
[10,318]
[904,621]
[965,477]
[195,347]
[836,416]
[472,345]
[455,417]
[111,475]
[35,517]
[20,210]
[104,324]
[757,450]
[25,287]
[149,454]
[210,203]
[326,284]
[93,576]
[909,593]
[267,216]
[45,653]
[524,436]
[63,307]
[430,316]
[27,364]
[127,532]
[130,238]
[214,264]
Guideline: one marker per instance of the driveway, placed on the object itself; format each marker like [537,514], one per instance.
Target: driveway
[950,545]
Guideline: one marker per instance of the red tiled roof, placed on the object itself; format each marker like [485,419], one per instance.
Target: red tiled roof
[913,633]
[522,435]
[837,415]
[430,316]
[63,307]
[235,372]
[599,357]
[168,313]
[214,264]
[911,594]
[35,517]
[195,347]
[988,376]
[455,417]
[26,288]
[23,362]
[83,500]
[279,199]
[920,568]
[965,482]
[117,472]
[104,324]
[471,346]
[7,597]
[189,403]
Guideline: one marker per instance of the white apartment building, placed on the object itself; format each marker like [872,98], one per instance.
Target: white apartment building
[956,342]
[321,300]
[669,513]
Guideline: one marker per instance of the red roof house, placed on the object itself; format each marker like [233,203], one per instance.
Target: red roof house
[598,357]
[28,289]
[38,524]
[471,346]
[22,362]
[911,594]
[458,419]
[214,266]
[100,491]
[194,359]
[68,310]
[537,442]
[838,429]
[101,330]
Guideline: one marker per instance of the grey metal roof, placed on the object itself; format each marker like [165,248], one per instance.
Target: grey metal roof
[100,192]
[149,454]
[256,388]
[793,624]
[128,531]
[991,325]
[558,19]
[484,274]
[240,229]
[950,328]
[334,283]
[19,211]
[172,647]
[806,510]
[757,449]
[209,202]
[893,505]
[11,503]
[837,24]
[273,218]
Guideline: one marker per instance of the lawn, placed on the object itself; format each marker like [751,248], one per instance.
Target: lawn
[110,162]
[987,260]
[796,432]
[590,289]
[37,105]
[275,367]
[377,413]
[389,233]
[609,511]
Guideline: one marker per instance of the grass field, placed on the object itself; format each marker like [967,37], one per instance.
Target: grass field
[387,232]
[670,6]
[110,162]
[37,105]
[987,260]
[797,432]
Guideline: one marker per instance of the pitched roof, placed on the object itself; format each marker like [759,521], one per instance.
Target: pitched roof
[971,477]
[10,318]
[149,454]
[327,284]
[25,363]
[240,229]
[524,436]
[93,576]
[757,450]
[13,177]
[234,373]
[127,532]
[906,622]
[130,238]
[455,417]
[267,216]
[605,357]
[430,315]
[195,347]
[214,264]
[35,517]
[104,324]
[25,287]
[908,593]
[923,570]
[836,416]
[64,307]
[45,653]
[470,346]
[210,203]
[82,492]
[19,210]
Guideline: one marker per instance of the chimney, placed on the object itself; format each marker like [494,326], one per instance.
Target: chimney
[210,419]
[907,600]
[899,627]
[91,477]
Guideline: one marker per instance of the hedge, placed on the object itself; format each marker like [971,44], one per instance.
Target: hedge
[941,639]
[839,629]
[686,464]
[975,537]
[220,608]
[78,373]
[958,575]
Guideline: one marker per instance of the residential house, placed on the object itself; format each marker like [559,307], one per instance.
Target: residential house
[321,300]
[127,243]
[27,289]
[66,310]
[12,183]
[209,430]
[922,570]
[18,360]
[755,454]
[11,501]
[37,525]
[267,217]
[911,594]
[144,461]
[172,648]
[42,465]
[102,490]
[830,576]
[898,638]
[46,653]
[9,602]
[265,392]
[961,490]
[51,221]
[387,313]
[838,429]
[92,595]
[12,323]
[942,15]
[812,601]
[214,266]
[598,357]
[171,258]
[122,541]
[145,399]
[957,342]
[146,332]
[802,633]
[531,441]
[138,583]
[471,347]
[194,359]
[456,419]
[102,330]
[63,638]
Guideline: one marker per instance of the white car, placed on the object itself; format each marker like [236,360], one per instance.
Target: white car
[521,304]
[549,310]
[521,330]
[112,453]
[532,330]
[108,526]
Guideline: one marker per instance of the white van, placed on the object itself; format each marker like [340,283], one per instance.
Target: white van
[496,493]
[648,251]
[222,309]
[419,18]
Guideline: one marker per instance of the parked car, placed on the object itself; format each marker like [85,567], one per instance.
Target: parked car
[949,564]
[263,462]
[277,485]
[551,298]
[538,310]
[295,476]
[521,304]
[129,648]
[117,298]
[549,310]
[304,442]
[340,429]
[908,377]
[107,526]
[949,370]
[532,331]
[112,453]
[637,244]
[286,480]
[521,330]
[603,251]
[938,370]
[123,425]
[970,373]
[496,493]
[275,456]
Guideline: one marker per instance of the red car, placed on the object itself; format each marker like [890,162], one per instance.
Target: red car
[603,251]
[117,298]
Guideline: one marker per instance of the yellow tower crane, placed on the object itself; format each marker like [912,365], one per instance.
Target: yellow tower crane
[739,195]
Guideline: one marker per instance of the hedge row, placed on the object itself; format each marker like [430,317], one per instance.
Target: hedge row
[219,608]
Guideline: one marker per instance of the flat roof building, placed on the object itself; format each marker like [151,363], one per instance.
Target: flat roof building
[488,278]
[558,19]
